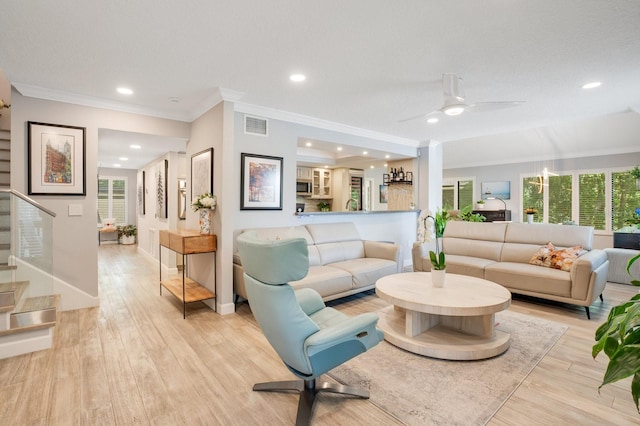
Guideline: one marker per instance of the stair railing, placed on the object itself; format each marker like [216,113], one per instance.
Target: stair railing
[26,242]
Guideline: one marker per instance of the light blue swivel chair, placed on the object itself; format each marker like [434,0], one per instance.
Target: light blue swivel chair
[309,337]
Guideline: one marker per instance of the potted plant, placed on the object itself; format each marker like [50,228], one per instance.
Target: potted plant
[428,226]
[619,338]
[530,211]
[323,206]
[127,234]
[480,204]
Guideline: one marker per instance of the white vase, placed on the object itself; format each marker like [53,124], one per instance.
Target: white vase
[530,218]
[437,278]
[480,206]
[205,221]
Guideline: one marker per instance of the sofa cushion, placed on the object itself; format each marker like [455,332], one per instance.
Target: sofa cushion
[326,280]
[541,233]
[474,239]
[530,278]
[466,265]
[333,232]
[367,271]
[338,252]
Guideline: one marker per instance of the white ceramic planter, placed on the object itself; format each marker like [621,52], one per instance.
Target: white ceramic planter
[437,278]
[128,240]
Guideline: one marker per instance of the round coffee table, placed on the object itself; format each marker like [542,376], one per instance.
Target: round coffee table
[454,322]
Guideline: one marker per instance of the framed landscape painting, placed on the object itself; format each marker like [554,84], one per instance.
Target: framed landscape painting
[56,159]
[260,182]
[496,190]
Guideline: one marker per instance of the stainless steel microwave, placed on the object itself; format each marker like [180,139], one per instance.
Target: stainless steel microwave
[303,188]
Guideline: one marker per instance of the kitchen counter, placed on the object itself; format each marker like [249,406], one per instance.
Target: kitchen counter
[359,212]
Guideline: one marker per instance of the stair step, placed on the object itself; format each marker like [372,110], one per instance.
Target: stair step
[7,267]
[10,294]
[35,313]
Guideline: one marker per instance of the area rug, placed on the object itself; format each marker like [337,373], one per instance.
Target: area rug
[420,390]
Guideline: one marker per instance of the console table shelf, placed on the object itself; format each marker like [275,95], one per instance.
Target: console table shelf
[186,242]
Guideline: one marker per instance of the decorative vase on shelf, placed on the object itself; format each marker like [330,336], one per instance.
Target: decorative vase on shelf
[437,277]
[529,217]
[205,221]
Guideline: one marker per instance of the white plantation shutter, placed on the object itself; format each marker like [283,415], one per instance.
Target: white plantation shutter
[112,199]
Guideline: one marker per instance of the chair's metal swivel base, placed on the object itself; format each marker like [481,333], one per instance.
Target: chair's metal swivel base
[308,391]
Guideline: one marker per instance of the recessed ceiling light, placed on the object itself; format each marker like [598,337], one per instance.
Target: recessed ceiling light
[297,77]
[371,166]
[116,165]
[123,159]
[433,120]
[308,144]
[387,156]
[174,99]
[339,148]
[364,152]
[135,146]
[326,167]
[385,164]
[592,85]
[124,91]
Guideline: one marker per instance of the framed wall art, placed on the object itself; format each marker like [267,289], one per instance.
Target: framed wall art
[202,173]
[260,182]
[56,159]
[384,194]
[496,190]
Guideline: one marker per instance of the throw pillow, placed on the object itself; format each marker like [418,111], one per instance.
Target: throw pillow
[542,256]
[563,259]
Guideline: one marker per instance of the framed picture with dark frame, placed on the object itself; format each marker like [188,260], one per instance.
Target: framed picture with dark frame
[260,182]
[202,173]
[384,194]
[56,159]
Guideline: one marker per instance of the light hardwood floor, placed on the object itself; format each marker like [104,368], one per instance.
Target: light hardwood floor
[134,360]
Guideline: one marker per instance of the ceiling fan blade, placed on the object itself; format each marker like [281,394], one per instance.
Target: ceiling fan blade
[492,106]
[417,117]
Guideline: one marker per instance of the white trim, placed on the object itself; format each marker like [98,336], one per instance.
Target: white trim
[321,124]
[26,342]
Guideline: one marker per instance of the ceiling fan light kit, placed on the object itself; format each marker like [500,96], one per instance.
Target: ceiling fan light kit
[454,100]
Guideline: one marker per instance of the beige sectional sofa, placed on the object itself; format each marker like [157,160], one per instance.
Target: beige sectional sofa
[340,262]
[500,252]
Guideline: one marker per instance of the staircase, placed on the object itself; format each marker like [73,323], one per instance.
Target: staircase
[28,309]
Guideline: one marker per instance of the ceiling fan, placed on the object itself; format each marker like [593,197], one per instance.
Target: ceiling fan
[454,101]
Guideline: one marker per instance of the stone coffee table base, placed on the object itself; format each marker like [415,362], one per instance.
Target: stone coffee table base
[442,336]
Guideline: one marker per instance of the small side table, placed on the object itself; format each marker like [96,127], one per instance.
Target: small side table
[186,242]
[102,232]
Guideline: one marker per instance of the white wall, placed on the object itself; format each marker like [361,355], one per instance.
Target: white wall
[75,248]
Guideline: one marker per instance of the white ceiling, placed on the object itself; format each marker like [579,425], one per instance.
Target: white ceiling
[114,145]
[369,63]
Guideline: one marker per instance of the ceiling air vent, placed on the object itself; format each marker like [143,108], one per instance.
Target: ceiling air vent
[256,126]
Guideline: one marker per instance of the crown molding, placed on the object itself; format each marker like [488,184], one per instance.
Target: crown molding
[219,95]
[306,120]
[90,101]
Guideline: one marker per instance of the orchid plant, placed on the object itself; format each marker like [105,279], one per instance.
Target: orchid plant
[204,201]
[430,226]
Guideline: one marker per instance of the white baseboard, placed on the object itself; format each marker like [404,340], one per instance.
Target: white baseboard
[26,342]
[72,298]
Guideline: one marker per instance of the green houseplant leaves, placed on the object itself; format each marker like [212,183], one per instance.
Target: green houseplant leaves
[619,339]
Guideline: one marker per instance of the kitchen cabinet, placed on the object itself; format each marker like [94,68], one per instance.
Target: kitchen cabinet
[304,173]
[321,183]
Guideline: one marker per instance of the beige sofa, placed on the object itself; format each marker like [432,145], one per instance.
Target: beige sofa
[340,262]
[500,252]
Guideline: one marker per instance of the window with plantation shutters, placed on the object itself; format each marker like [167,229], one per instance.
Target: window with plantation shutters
[560,202]
[592,200]
[624,198]
[465,194]
[532,197]
[448,197]
[112,199]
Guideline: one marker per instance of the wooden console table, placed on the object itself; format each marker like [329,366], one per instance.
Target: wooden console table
[186,242]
